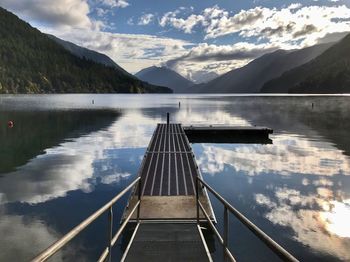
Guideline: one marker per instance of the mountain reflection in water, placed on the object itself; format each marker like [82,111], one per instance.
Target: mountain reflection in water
[66,155]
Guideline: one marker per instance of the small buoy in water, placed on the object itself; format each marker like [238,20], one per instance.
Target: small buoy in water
[10,124]
[312,105]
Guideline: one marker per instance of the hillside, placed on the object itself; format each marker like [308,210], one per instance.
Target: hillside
[31,62]
[87,53]
[251,77]
[164,76]
[327,73]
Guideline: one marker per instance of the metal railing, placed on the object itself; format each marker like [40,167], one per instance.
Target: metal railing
[276,248]
[55,247]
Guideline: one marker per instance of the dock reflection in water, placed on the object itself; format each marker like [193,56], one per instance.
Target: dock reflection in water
[58,166]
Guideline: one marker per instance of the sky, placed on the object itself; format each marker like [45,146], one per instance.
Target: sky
[197,38]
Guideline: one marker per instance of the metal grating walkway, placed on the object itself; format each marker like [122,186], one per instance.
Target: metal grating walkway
[169,168]
[167,242]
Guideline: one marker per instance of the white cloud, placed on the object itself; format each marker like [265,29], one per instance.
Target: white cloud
[114,3]
[294,6]
[185,25]
[146,19]
[306,24]
[72,13]
[295,22]
[101,12]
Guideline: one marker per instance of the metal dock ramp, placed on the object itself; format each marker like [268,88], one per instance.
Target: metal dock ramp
[168,205]
[168,173]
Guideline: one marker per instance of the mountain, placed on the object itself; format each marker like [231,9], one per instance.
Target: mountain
[87,53]
[327,73]
[251,77]
[31,62]
[164,76]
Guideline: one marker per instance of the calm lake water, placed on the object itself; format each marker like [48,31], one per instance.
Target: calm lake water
[65,157]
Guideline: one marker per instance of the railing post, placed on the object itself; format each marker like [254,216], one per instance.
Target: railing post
[139,199]
[225,238]
[110,233]
[197,198]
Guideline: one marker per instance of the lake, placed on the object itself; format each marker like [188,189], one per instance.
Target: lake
[67,155]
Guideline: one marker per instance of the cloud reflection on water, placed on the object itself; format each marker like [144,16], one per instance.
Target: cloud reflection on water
[317,220]
[287,155]
[317,210]
[24,238]
[71,165]
[311,207]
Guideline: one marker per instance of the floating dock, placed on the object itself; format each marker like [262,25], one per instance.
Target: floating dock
[228,134]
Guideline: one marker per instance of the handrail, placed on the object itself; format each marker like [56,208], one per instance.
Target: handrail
[276,248]
[51,250]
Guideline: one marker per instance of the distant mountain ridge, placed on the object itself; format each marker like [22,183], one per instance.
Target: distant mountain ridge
[327,73]
[164,76]
[251,77]
[31,62]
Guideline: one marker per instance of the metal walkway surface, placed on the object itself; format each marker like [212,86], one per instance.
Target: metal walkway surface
[169,168]
[167,242]
[168,176]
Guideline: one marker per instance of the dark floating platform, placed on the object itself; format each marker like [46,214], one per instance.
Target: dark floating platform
[228,134]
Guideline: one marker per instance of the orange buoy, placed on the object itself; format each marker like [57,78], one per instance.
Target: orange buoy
[10,124]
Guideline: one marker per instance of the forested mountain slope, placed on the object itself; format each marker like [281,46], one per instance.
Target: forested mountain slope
[31,62]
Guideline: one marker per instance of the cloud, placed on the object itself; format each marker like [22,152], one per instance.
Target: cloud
[114,3]
[305,30]
[146,19]
[187,24]
[211,19]
[101,12]
[238,51]
[295,22]
[72,13]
